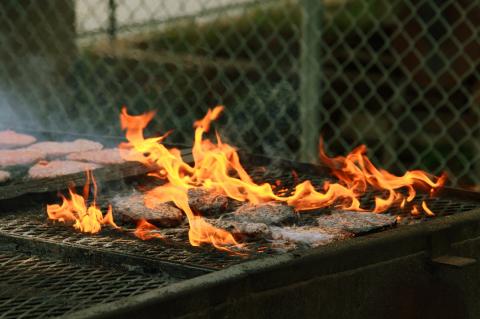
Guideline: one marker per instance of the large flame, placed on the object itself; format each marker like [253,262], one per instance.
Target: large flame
[87,219]
[357,173]
[217,167]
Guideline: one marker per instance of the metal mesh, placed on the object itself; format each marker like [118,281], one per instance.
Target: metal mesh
[401,76]
[34,226]
[33,287]
[31,225]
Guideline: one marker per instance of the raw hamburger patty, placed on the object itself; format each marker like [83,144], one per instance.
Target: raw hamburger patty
[210,203]
[59,168]
[55,149]
[4,176]
[131,208]
[21,156]
[12,139]
[267,213]
[106,156]
[356,222]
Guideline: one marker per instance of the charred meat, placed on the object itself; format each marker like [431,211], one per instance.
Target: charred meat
[242,230]
[312,236]
[270,213]
[210,203]
[131,208]
[356,222]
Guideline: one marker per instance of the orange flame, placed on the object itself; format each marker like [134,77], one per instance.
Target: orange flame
[144,230]
[426,209]
[217,167]
[357,173]
[180,176]
[86,219]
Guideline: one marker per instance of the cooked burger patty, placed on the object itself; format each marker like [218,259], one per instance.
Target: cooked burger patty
[55,149]
[106,156]
[4,176]
[210,203]
[356,222]
[12,139]
[242,230]
[20,156]
[59,168]
[312,236]
[267,213]
[131,208]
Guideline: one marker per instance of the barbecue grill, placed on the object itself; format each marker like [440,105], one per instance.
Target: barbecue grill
[426,265]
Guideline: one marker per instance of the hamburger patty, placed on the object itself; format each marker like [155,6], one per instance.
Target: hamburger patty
[106,156]
[242,230]
[4,176]
[59,168]
[267,213]
[20,156]
[356,222]
[12,139]
[55,149]
[131,208]
[210,203]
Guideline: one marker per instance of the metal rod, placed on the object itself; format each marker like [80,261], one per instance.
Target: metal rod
[112,20]
[310,78]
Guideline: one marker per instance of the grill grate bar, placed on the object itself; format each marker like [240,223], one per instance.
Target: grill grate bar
[34,287]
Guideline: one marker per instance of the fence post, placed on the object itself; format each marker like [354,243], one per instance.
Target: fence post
[112,20]
[310,78]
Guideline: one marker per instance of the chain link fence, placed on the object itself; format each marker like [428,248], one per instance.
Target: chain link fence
[401,76]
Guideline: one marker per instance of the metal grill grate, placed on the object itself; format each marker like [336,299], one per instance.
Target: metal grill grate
[34,226]
[440,205]
[34,287]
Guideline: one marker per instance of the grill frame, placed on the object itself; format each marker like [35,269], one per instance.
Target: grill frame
[300,284]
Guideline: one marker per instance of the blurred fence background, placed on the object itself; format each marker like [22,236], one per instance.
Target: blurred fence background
[401,76]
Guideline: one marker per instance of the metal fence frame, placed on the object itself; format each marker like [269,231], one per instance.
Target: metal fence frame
[344,70]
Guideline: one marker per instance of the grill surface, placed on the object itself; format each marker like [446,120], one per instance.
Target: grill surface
[83,270]
[35,227]
[34,287]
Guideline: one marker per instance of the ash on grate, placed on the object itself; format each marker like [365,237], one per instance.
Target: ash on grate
[312,236]
[131,208]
